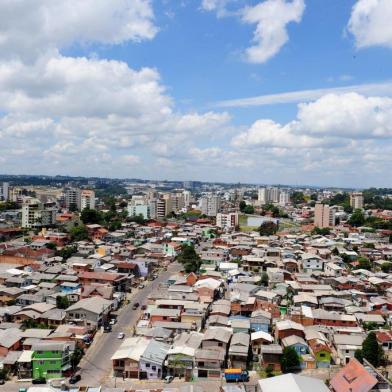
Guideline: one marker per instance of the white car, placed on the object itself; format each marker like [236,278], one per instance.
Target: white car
[120,335]
[141,286]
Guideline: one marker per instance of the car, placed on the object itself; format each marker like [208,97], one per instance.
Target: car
[2,381]
[107,328]
[144,307]
[120,335]
[135,305]
[39,380]
[141,286]
[112,321]
[75,378]
[168,379]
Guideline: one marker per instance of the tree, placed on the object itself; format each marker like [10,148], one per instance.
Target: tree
[364,263]
[264,279]
[189,258]
[298,198]
[372,351]
[78,233]
[268,228]
[289,360]
[242,205]
[357,218]
[89,216]
[51,245]
[77,355]
[321,231]
[248,210]
[335,251]
[62,302]
[386,267]
[358,355]
[67,252]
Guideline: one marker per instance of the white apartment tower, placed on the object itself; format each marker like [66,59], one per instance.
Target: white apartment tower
[37,214]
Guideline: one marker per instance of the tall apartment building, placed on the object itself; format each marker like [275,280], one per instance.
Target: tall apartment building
[4,191]
[227,220]
[178,201]
[79,199]
[187,198]
[268,195]
[140,206]
[72,199]
[324,215]
[356,200]
[37,214]
[284,198]
[210,205]
[87,199]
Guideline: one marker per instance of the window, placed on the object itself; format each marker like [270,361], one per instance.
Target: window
[147,365]
[322,355]
[154,368]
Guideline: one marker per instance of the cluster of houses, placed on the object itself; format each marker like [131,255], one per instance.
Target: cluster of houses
[252,297]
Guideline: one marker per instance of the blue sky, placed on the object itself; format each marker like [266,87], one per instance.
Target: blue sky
[160,89]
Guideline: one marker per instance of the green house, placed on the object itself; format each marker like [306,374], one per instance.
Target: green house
[50,359]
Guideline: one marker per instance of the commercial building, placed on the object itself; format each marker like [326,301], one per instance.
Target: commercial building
[324,215]
[356,200]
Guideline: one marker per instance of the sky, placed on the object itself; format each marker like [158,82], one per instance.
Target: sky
[269,92]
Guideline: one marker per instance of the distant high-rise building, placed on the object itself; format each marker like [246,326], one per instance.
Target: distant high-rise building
[72,199]
[284,198]
[324,215]
[37,214]
[210,205]
[4,194]
[187,198]
[268,195]
[356,200]
[87,199]
[227,220]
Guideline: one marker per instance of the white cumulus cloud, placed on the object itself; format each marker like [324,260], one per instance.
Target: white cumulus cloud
[271,18]
[370,23]
[30,28]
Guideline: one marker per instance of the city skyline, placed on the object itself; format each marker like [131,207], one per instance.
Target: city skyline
[275,91]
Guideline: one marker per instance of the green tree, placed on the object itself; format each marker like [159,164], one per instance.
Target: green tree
[289,360]
[264,279]
[268,228]
[89,216]
[321,231]
[62,302]
[51,245]
[358,355]
[335,251]
[67,252]
[242,205]
[372,351]
[386,267]
[189,258]
[364,263]
[78,233]
[357,218]
[298,198]
[76,356]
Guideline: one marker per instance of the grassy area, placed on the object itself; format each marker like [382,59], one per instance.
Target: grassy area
[243,220]
[247,229]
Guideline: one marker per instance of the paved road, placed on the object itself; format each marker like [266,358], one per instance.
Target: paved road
[96,366]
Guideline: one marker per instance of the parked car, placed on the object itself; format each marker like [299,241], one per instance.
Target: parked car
[144,307]
[120,335]
[141,286]
[39,380]
[2,381]
[135,305]
[168,379]
[75,378]
[112,321]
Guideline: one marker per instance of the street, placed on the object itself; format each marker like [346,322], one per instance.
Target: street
[96,366]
